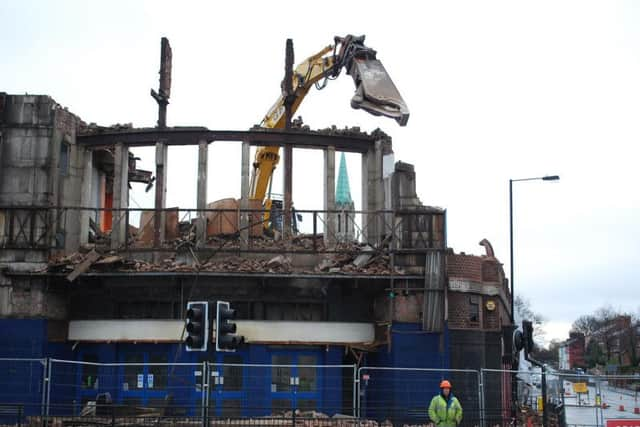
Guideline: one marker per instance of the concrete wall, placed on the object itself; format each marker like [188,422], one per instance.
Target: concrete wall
[40,167]
[40,163]
[31,298]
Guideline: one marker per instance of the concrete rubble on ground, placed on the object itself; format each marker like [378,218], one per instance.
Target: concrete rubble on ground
[299,419]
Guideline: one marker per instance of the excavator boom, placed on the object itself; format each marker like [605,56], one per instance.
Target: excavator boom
[375,93]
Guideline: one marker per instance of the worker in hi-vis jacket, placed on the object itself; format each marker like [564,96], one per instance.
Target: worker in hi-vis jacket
[445,409]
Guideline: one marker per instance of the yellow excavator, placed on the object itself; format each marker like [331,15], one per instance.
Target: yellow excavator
[375,93]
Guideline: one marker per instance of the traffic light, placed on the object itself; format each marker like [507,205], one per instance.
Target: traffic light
[518,343]
[197,326]
[226,338]
[527,336]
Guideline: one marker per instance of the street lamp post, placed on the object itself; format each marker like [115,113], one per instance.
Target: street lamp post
[511,181]
[514,380]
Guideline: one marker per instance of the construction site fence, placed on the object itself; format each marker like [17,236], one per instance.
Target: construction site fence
[403,395]
[223,230]
[149,391]
[571,399]
[65,392]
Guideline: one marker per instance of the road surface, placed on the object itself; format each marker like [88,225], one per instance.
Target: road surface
[584,412]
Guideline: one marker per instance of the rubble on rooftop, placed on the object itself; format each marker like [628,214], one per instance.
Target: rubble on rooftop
[356,260]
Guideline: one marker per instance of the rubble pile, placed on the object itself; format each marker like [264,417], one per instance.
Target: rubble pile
[348,258]
[316,419]
[297,124]
[301,419]
[301,242]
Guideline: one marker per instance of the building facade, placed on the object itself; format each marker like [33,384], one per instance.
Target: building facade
[571,352]
[99,289]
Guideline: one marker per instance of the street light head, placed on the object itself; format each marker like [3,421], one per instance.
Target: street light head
[551,178]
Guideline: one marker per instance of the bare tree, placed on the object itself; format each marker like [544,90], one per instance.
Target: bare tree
[525,312]
[586,324]
[609,333]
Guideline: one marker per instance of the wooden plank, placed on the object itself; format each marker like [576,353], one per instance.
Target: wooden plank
[84,265]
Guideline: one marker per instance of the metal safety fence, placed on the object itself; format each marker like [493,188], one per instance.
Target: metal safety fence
[402,395]
[279,391]
[555,398]
[22,389]
[599,399]
[115,393]
[147,390]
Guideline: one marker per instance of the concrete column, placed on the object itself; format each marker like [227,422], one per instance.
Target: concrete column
[365,196]
[120,195]
[85,196]
[378,185]
[329,185]
[244,195]
[161,193]
[201,224]
[372,193]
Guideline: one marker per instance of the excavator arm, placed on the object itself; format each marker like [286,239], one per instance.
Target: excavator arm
[375,93]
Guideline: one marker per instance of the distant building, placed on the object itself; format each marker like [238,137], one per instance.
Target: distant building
[618,340]
[571,352]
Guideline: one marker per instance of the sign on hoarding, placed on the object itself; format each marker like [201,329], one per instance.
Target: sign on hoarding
[580,388]
[623,423]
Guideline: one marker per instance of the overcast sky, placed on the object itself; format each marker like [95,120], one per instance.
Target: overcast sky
[496,90]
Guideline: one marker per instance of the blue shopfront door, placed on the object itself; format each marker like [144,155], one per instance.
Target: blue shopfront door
[89,378]
[228,385]
[296,381]
[143,378]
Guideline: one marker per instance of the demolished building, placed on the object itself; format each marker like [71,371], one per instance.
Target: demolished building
[80,282]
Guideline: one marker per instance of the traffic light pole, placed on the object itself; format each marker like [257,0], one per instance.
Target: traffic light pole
[543,385]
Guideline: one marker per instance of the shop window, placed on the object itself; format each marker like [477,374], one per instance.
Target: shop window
[89,379]
[232,374]
[133,373]
[474,311]
[280,375]
[307,374]
[157,376]
[64,158]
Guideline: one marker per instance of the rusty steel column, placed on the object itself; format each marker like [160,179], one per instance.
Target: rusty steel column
[164,89]
[288,149]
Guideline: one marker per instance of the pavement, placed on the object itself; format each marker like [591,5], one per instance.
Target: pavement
[584,412]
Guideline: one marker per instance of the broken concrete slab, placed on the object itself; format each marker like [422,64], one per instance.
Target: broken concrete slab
[364,258]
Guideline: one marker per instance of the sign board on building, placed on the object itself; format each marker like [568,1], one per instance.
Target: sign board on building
[580,388]
[623,423]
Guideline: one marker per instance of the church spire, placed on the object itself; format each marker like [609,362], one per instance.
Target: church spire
[343,192]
